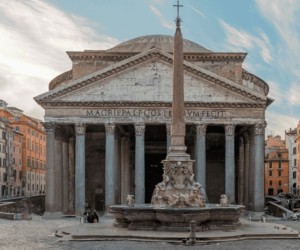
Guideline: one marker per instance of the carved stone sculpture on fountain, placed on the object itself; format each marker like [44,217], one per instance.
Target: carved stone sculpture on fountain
[178,188]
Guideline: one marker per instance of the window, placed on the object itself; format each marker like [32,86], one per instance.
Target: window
[279,164]
[279,183]
[270,172]
[279,155]
[294,175]
[294,150]
[28,187]
[32,187]
[270,164]
[271,183]
[295,162]
[279,172]
[28,162]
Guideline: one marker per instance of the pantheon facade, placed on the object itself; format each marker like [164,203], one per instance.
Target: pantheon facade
[108,125]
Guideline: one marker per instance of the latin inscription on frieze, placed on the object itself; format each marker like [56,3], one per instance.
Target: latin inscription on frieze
[151,113]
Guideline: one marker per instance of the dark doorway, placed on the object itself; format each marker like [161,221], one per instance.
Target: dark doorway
[153,173]
[215,164]
[270,191]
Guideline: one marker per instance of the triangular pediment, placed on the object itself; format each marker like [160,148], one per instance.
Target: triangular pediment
[147,77]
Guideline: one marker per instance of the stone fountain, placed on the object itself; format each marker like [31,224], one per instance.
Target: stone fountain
[178,199]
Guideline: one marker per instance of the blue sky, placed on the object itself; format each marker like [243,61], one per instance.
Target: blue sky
[34,35]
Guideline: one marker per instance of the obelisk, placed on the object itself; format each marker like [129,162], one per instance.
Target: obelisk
[178,188]
[177,149]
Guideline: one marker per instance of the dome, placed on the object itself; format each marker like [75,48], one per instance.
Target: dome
[163,42]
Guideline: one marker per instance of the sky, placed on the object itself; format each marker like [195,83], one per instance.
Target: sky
[35,35]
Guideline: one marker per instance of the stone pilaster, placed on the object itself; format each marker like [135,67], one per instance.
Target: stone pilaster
[241,169]
[139,163]
[251,175]
[246,169]
[117,167]
[125,169]
[168,130]
[109,166]
[201,155]
[229,163]
[71,165]
[50,175]
[80,169]
[59,133]
[65,174]
[258,201]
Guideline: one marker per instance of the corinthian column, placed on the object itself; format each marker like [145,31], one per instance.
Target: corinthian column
[201,155]
[258,201]
[80,169]
[246,170]
[139,163]
[109,166]
[229,163]
[50,176]
[241,167]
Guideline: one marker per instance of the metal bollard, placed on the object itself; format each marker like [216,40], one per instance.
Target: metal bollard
[192,238]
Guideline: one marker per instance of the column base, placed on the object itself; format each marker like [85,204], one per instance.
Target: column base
[52,215]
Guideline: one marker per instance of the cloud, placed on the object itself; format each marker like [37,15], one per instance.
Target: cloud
[276,93]
[285,18]
[197,11]
[242,40]
[278,123]
[34,38]
[164,21]
[294,94]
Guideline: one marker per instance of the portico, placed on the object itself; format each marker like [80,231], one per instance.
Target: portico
[108,128]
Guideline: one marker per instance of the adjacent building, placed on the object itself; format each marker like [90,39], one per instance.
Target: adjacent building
[276,166]
[297,141]
[290,137]
[22,153]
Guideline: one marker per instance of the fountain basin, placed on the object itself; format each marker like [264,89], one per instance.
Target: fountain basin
[149,217]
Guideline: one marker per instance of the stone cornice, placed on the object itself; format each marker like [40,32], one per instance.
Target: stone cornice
[64,77]
[154,104]
[255,79]
[188,56]
[141,58]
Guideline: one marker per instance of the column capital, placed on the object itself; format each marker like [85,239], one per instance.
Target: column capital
[259,128]
[110,128]
[168,127]
[50,127]
[139,129]
[80,129]
[246,138]
[60,134]
[229,129]
[201,129]
[241,140]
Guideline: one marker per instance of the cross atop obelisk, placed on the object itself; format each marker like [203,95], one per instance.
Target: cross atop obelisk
[177,149]
[178,6]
